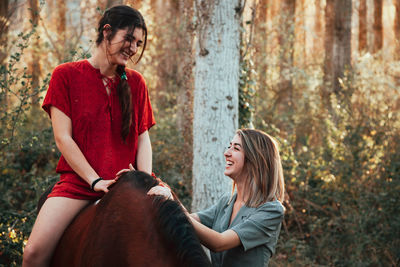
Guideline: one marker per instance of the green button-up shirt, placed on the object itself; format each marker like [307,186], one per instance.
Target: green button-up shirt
[257,228]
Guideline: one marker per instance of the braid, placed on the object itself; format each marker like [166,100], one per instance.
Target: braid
[125,101]
[122,17]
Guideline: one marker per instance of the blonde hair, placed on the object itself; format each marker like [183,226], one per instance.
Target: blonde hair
[263,165]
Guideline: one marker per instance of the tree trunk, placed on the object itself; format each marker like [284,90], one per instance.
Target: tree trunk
[317,40]
[362,27]
[328,45]
[111,3]
[300,32]
[61,28]
[337,44]
[134,3]
[34,66]
[396,29]
[261,50]
[342,41]
[215,96]
[185,60]
[378,27]
[3,30]
[3,52]
[286,42]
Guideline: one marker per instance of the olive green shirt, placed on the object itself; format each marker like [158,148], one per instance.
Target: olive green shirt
[257,228]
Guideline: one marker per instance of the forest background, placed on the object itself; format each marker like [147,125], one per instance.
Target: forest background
[322,76]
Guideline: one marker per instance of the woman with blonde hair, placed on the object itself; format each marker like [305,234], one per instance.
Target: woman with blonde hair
[242,229]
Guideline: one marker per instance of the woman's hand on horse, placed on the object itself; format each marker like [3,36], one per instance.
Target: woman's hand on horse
[119,174]
[103,185]
[160,191]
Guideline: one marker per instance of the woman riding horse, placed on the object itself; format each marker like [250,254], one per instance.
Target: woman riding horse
[100,113]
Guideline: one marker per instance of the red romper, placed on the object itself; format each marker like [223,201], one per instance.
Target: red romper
[77,89]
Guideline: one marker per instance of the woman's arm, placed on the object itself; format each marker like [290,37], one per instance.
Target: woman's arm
[212,239]
[194,216]
[62,128]
[144,153]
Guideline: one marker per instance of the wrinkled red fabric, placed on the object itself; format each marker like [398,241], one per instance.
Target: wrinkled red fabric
[77,89]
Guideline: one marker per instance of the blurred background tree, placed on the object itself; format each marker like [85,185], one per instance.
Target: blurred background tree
[322,76]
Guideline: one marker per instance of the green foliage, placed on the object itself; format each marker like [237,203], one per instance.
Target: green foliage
[341,170]
[27,153]
[169,157]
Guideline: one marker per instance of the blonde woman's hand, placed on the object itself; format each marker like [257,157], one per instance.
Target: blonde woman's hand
[160,191]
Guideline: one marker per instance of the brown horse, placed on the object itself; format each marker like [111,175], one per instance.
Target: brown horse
[129,228]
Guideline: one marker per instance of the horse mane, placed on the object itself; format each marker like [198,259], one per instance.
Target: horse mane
[179,232]
[172,223]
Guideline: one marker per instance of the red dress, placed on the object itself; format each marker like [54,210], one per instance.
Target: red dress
[77,89]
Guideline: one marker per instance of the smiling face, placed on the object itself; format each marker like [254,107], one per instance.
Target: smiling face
[234,157]
[123,46]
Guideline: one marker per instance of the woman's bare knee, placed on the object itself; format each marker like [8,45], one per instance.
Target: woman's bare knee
[50,224]
[33,257]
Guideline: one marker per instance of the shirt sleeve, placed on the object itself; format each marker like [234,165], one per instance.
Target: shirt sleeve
[58,92]
[208,216]
[146,117]
[261,227]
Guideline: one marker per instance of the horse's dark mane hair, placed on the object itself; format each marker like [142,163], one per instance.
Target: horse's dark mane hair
[179,232]
[173,224]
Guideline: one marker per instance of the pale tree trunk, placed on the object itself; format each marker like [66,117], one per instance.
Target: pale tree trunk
[396,29]
[34,66]
[378,27]
[215,96]
[362,27]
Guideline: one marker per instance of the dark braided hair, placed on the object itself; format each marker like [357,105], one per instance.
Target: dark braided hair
[122,17]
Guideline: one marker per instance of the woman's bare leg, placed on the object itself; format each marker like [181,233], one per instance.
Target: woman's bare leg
[54,217]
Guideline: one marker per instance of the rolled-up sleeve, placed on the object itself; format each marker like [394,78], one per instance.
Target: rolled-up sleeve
[145,116]
[261,227]
[58,92]
[208,215]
